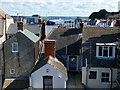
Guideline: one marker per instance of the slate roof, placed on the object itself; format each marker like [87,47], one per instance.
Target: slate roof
[1,27]
[54,62]
[34,28]
[2,14]
[93,35]
[18,83]
[67,39]
[30,35]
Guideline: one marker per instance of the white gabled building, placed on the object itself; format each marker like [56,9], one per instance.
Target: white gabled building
[49,72]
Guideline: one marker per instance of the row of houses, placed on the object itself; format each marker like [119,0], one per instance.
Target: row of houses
[86,57]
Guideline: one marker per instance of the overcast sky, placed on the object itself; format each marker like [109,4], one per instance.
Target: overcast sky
[57,7]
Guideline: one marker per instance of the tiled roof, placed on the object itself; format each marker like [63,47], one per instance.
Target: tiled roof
[1,27]
[35,28]
[30,35]
[54,62]
[67,40]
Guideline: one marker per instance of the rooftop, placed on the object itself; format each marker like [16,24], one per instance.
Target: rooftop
[30,35]
[34,28]
[54,62]
[67,40]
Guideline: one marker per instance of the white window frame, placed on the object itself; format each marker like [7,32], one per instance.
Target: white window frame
[105,77]
[12,71]
[96,75]
[103,47]
[15,43]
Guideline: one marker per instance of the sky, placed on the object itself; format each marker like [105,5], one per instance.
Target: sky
[57,7]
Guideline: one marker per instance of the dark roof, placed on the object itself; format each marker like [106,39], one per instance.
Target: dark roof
[2,14]
[1,27]
[34,28]
[18,83]
[54,62]
[67,39]
[94,35]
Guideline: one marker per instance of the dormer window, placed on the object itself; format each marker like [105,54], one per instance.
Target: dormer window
[105,50]
[15,47]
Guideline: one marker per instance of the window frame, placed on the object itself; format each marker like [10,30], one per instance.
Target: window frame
[103,50]
[105,77]
[13,71]
[91,78]
[15,43]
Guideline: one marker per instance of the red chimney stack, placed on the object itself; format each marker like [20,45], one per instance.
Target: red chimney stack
[50,48]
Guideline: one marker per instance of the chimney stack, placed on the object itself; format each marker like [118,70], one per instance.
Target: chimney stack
[43,31]
[20,25]
[39,20]
[50,48]
[81,26]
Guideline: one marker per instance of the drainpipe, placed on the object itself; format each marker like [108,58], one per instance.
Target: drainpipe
[5,27]
[111,78]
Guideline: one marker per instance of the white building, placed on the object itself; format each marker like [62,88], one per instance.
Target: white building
[49,72]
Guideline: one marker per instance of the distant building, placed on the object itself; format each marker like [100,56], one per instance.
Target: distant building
[49,72]
[21,51]
[27,19]
[100,57]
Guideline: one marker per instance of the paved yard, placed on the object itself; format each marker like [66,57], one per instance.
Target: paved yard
[75,81]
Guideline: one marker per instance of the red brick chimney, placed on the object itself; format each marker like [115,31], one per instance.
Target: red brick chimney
[50,48]
[20,25]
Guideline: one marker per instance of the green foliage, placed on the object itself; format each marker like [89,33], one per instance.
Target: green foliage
[102,14]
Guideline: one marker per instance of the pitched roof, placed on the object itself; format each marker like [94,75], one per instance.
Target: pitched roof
[2,14]
[99,36]
[54,62]
[16,83]
[68,40]
[30,35]
[1,27]
[35,28]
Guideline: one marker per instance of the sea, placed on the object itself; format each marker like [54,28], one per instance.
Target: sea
[58,20]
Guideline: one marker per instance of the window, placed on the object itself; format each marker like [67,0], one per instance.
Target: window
[73,63]
[15,47]
[105,51]
[12,71]
[92,75]
[47,83]
[105,77]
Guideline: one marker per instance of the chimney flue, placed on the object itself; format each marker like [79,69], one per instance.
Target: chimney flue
[50,48]
[20,25]
[43,31]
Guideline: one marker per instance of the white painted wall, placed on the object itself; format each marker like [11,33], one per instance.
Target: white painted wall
[96,83]
[37,77]
[3,38]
